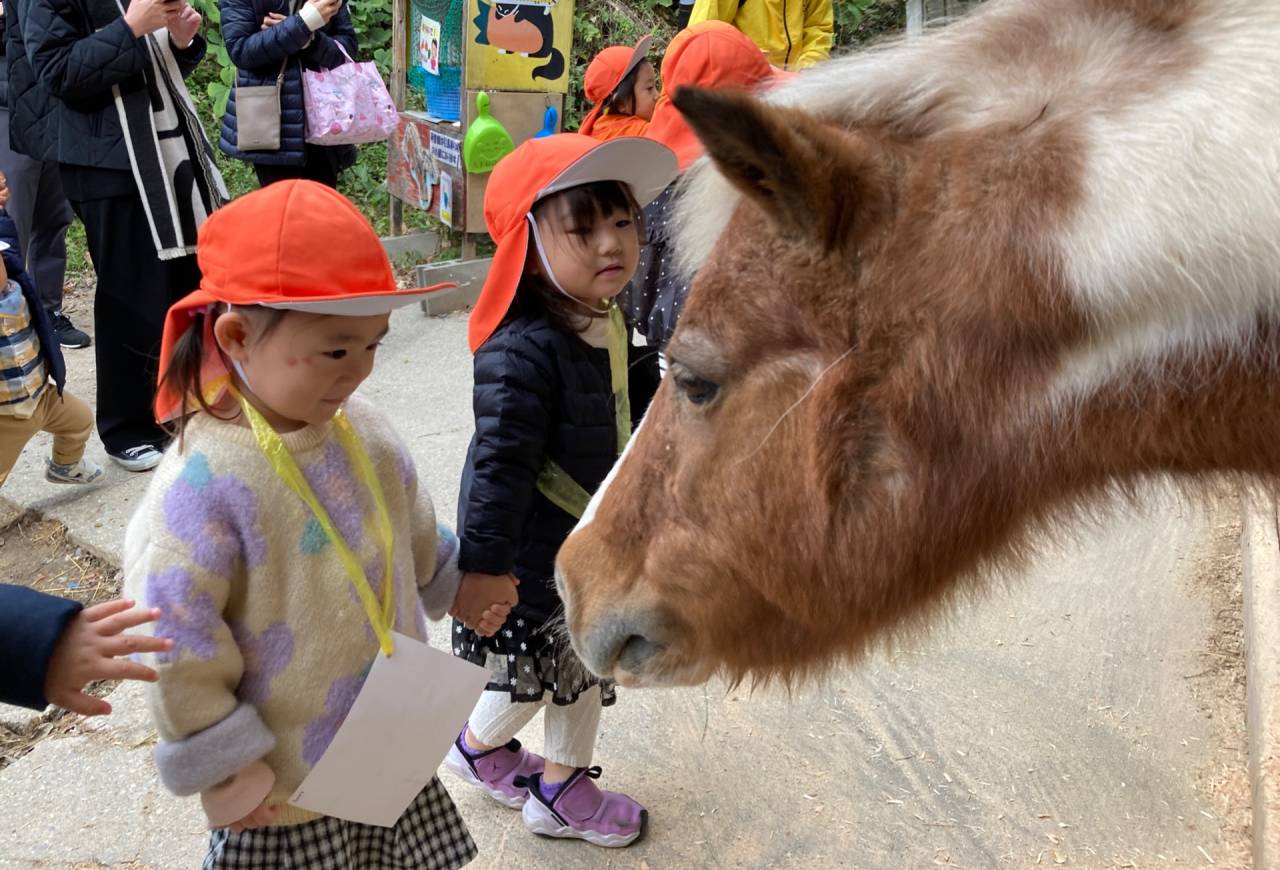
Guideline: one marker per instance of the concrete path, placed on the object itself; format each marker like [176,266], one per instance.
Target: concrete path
[1089,713]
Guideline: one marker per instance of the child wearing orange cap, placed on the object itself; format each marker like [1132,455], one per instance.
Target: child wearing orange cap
[554,409]
[708,55]
[285,538]
[621,83]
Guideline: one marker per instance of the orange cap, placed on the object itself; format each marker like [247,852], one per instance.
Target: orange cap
[537,169]
[711,54]
[293,244]
[605,72]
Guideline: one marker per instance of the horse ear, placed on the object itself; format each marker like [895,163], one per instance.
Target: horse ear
[811,178]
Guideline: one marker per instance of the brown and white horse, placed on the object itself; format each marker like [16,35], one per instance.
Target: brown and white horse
[948,294]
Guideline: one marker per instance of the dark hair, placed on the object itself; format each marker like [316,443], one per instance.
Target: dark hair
[587,204]
[622,101]
[182,375]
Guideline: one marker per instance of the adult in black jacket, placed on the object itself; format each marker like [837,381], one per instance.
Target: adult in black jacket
[263,39]
[38,204]
[50,648]
[87,55]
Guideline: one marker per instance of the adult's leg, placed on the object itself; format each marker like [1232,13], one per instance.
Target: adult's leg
[268,174]
[320,166]
[23,177]
[47,248]
[135,289]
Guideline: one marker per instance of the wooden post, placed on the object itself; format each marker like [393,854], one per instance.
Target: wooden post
[915,17]
[399,82]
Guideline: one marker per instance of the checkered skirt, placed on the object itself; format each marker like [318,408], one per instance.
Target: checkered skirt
[429,835]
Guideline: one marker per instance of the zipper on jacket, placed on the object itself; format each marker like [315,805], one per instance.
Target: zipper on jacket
[786,29]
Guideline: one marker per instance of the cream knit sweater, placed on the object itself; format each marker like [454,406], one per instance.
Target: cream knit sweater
[271,643]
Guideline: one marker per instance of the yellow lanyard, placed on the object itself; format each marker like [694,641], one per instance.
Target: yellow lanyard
[554,482]
[274,449]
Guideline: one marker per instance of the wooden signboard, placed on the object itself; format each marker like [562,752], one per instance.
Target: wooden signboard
[522,114]
[521,45]
[424,168]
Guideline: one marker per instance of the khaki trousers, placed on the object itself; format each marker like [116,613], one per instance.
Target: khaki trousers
[69,419]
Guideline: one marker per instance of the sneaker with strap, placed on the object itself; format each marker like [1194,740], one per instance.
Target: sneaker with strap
[82,472]
[578,809]
[494,771]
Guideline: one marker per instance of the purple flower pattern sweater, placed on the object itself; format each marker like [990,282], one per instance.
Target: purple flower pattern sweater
[271,645]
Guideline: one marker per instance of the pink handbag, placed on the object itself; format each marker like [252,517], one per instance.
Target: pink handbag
[348,105]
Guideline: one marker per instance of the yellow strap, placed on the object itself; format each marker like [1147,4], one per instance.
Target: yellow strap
[282,461]
[618,375]
[553,481]
[562,490]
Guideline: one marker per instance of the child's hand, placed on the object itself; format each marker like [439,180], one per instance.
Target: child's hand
[484,601]
[88,649]
[261,817]
[271,19]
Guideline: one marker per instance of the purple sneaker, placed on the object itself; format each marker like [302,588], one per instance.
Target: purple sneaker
[495,770]
[580,810]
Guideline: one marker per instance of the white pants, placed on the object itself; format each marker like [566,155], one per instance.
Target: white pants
[570,729]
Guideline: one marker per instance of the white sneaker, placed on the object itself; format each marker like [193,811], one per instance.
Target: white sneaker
[82,472]
[144,457]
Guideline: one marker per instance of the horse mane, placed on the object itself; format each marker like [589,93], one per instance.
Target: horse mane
[1176,233]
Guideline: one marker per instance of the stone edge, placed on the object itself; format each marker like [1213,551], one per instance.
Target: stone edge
[1261,580]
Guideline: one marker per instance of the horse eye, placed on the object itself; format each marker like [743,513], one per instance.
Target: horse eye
[698,390]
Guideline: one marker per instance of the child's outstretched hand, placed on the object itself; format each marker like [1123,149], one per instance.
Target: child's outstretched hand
[88,651]
[484,601]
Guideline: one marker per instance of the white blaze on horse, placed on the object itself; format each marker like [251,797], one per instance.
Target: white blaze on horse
[948,293]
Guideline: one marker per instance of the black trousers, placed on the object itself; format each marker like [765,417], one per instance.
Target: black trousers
[321,165]
[39,209]
[135,289]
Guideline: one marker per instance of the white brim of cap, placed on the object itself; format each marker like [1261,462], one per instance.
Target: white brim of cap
[638,55]
[644,165]
[358,306]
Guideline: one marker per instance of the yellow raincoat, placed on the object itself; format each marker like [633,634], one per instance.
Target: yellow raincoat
[793,34]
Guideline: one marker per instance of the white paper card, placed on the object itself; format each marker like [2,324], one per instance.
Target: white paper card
[404,720]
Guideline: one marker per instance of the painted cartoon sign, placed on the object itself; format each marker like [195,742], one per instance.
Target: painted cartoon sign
[424,163]
[521,45]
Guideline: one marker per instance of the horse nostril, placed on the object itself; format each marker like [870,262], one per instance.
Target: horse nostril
[636,652]
[624,642]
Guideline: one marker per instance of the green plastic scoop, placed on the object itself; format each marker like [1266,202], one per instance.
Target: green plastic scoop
[487,141]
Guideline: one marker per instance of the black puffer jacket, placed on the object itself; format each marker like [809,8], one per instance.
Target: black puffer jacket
[539,393]
[80,50]
[31,109]
[258,55]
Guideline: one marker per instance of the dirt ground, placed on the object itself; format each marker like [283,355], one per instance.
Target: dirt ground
[1219,687]
[35,553]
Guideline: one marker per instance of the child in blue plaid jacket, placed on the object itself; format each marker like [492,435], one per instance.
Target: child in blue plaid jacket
[32,376]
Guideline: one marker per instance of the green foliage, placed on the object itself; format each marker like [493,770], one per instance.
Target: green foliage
[862,21]
[372,20]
